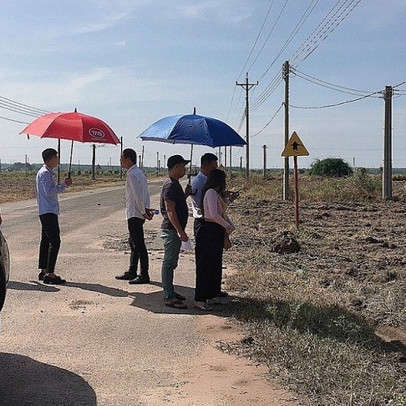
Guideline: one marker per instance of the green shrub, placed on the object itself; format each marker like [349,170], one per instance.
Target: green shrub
[330,167]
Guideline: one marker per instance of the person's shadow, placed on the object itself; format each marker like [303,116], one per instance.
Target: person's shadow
[154,302]
[27,382]
[151,301]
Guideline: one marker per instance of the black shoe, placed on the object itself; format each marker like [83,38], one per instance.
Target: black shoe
[127,276]
[56,280]
[138,280]
[41,276]
[223,294]
[179,297]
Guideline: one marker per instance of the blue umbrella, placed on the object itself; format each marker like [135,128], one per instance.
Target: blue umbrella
[192,129]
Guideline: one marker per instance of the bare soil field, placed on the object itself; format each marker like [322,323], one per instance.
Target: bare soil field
[323,306]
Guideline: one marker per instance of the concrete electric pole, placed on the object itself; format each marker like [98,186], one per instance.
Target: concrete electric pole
[247,87]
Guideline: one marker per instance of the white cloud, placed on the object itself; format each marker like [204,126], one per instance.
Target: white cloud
[218,10]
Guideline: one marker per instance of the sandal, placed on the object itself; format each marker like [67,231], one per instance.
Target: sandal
[179,297]
[203,306]
[175,303]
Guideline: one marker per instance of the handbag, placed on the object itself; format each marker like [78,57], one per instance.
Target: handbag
[227,242]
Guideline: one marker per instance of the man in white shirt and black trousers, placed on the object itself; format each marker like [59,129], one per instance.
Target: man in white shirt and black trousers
[137,204]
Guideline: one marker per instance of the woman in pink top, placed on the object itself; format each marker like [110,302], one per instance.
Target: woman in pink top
[210,242]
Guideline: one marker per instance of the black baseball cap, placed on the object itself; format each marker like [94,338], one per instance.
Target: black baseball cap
[176,159]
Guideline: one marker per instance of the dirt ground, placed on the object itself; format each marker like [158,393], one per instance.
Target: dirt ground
[355,253]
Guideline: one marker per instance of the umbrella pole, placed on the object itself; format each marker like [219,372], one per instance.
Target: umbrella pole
[191,160]
[59,160]
[70,159]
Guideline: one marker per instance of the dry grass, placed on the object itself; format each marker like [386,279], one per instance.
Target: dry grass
[312,316]
[16,186]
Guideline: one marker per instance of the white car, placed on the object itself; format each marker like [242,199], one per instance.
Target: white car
[4,268]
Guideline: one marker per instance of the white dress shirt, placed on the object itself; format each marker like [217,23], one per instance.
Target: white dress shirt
[47,191]
[136,193]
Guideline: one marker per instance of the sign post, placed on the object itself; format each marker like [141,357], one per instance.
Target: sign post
[295,148]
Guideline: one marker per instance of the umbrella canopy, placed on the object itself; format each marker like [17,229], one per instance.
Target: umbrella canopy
[72,126]
[192,129]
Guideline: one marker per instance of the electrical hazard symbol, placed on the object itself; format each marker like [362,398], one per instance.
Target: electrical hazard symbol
[295,147]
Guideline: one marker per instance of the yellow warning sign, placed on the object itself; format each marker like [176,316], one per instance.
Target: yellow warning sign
[295,147]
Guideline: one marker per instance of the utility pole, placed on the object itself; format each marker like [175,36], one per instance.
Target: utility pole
[264,170]
[285,74]
[387,146]
[247,87]
[142,156]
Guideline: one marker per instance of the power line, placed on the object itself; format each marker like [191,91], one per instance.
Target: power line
[329,23]
[269,122]
[328,85]
[15,121]
[269,35]
[17,110]
[20,108]
[241,121]
[292,35]
[25,106]
[273,86]
[335,105]
[267,92]
[256,40]
[321,34]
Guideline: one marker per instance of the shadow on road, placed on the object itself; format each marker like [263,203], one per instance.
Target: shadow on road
[26,382]
[34,285]
[96,287]
[151,301]
[154,302]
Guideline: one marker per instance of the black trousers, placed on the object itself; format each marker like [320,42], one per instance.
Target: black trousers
[196,225]
[209,244]
[137,243]
[50,242]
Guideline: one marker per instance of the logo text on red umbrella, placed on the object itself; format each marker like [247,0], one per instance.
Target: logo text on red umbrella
[96,133]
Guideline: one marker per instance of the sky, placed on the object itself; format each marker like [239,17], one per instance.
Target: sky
[133,62]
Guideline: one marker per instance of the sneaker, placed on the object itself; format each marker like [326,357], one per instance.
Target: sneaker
[138,280]
[41,276]
[56,280]
[127,276]
[203,306]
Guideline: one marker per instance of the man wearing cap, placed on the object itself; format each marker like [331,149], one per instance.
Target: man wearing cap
[174,210]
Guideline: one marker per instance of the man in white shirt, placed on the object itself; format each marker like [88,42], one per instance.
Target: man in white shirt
[137,204]
[48,210]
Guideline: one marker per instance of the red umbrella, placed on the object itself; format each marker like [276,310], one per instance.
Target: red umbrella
[72,126]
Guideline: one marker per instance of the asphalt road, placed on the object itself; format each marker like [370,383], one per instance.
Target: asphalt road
[95,340]
[99,341]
